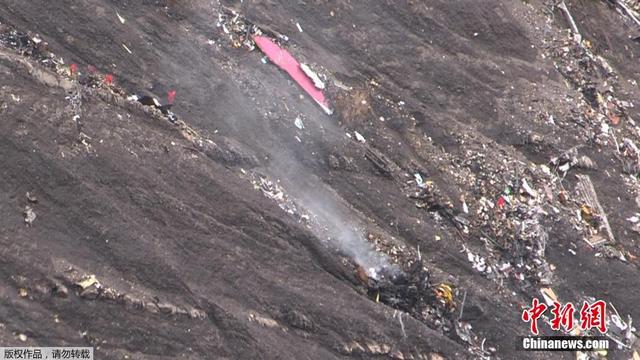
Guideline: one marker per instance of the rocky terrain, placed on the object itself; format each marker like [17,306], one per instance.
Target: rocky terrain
[479,154]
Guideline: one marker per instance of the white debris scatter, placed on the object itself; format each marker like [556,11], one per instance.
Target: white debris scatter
[313,76]
[273,191]
[122,20]
[478,262]
[299,27]
[359,137]
[298,122]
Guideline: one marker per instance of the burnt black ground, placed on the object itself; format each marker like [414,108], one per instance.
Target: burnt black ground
[152,217]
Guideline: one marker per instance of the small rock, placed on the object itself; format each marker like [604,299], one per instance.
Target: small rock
[109,294]
[149,306]
[535,138]
[197,314]
[353,348]
[264,321]
[31,198]
[181,311]
[22,337]
[397,355]
[299,320]
[378,349]
[166,308]
[334,162]
[60,291]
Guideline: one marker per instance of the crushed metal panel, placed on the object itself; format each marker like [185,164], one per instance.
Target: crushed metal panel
[588,193]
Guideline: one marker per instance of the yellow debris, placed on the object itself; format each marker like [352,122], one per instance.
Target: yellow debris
[444,292]
[587,214]
[87,282]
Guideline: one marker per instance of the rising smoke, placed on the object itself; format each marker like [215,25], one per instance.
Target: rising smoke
[332,219]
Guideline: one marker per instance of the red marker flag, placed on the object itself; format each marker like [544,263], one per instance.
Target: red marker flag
[108,79]
[171,95]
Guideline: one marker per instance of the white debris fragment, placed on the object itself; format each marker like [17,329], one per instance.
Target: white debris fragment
[326,110]
[528,189]
[298,122]
[551,120]
[313,76]
[419,180]
[634,219]
[342,86]
[359,137]
[465,208]
[126,48]
[29,215]
[299,27]
[122,20]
